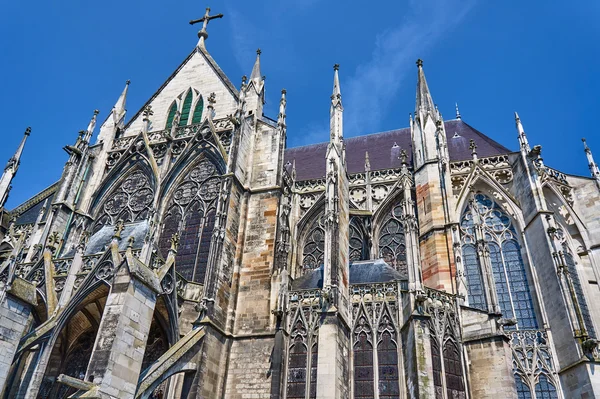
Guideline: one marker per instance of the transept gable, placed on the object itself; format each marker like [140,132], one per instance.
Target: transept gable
[198,71]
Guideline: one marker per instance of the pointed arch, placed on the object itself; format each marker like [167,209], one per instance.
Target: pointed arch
[391,237]
[387,356]
[186,108]
[129,198]
[198,109]
[171,115]
[507,265]
[298,357]
[190,212]
[362,349]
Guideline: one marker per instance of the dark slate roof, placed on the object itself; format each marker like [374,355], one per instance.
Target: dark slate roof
[30,215]
[363,272]
[99,242]
[384,150]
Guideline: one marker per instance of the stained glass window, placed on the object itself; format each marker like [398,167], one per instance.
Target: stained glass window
[297,364]
[171,115]
[128,201]
[314,354]
[387,361]
[455,384]
[476,292]
[523,391]
[436,360]
[363,366]
[197,115]
[187,107]
[585,312]
[544,389]
[508,268]
[392,242]
[191,213]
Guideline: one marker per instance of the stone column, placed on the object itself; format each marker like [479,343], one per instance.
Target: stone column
[15,310]
[116,360]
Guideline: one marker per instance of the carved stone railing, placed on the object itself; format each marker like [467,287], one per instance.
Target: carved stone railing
[554,174]
[376,292]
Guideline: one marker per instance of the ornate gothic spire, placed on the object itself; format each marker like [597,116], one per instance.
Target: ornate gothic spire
[523,142]
[336,109]
[11,169]
[282,106]
[256,76]
[119,110]
[594,170]
[424,101]
[91,126]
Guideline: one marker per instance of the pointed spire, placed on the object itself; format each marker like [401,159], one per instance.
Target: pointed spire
[282,107]
[336,132]
[424,101]
[523,142]
[256,75]
[119,110]
[337,94]
[594,170]
[458,113]
[17,157]
[91,126]
[11,169]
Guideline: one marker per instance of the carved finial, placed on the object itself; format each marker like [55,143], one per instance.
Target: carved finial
[212,99]
[148,112]
[119,229]
[403,157]
[28,131]
[130,242]
[83,240]
[419,63]
[258,52]
[53,241]
[473,148]
[336,67]
[367,162]
[175,242]
[244,79]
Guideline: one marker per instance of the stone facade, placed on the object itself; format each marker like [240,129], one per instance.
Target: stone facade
[188,253]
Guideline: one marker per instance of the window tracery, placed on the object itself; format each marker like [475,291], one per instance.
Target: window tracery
[302,363]
[508,268]
[191,213]
[129,201]
[314,246]
[387,359]
[392,241]
[359,246]
[363,359]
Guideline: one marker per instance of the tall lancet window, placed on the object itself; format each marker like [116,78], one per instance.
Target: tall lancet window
[197,115]
[191,212]
[392,241]
[186,109]
[375,353]
[302,357]
[171,115]
[508,268]
[129,201]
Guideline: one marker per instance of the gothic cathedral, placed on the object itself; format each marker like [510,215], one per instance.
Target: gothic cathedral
[187,253]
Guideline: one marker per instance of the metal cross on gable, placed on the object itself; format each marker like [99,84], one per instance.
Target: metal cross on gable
[202,34]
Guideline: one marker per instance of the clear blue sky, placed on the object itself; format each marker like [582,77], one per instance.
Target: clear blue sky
[61,60]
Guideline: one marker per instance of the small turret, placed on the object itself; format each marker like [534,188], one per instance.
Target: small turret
[10,170]
[594,170]
[523,142]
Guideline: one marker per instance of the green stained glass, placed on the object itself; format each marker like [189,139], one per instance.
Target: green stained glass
[185,111]
[197,115]
[172,112]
